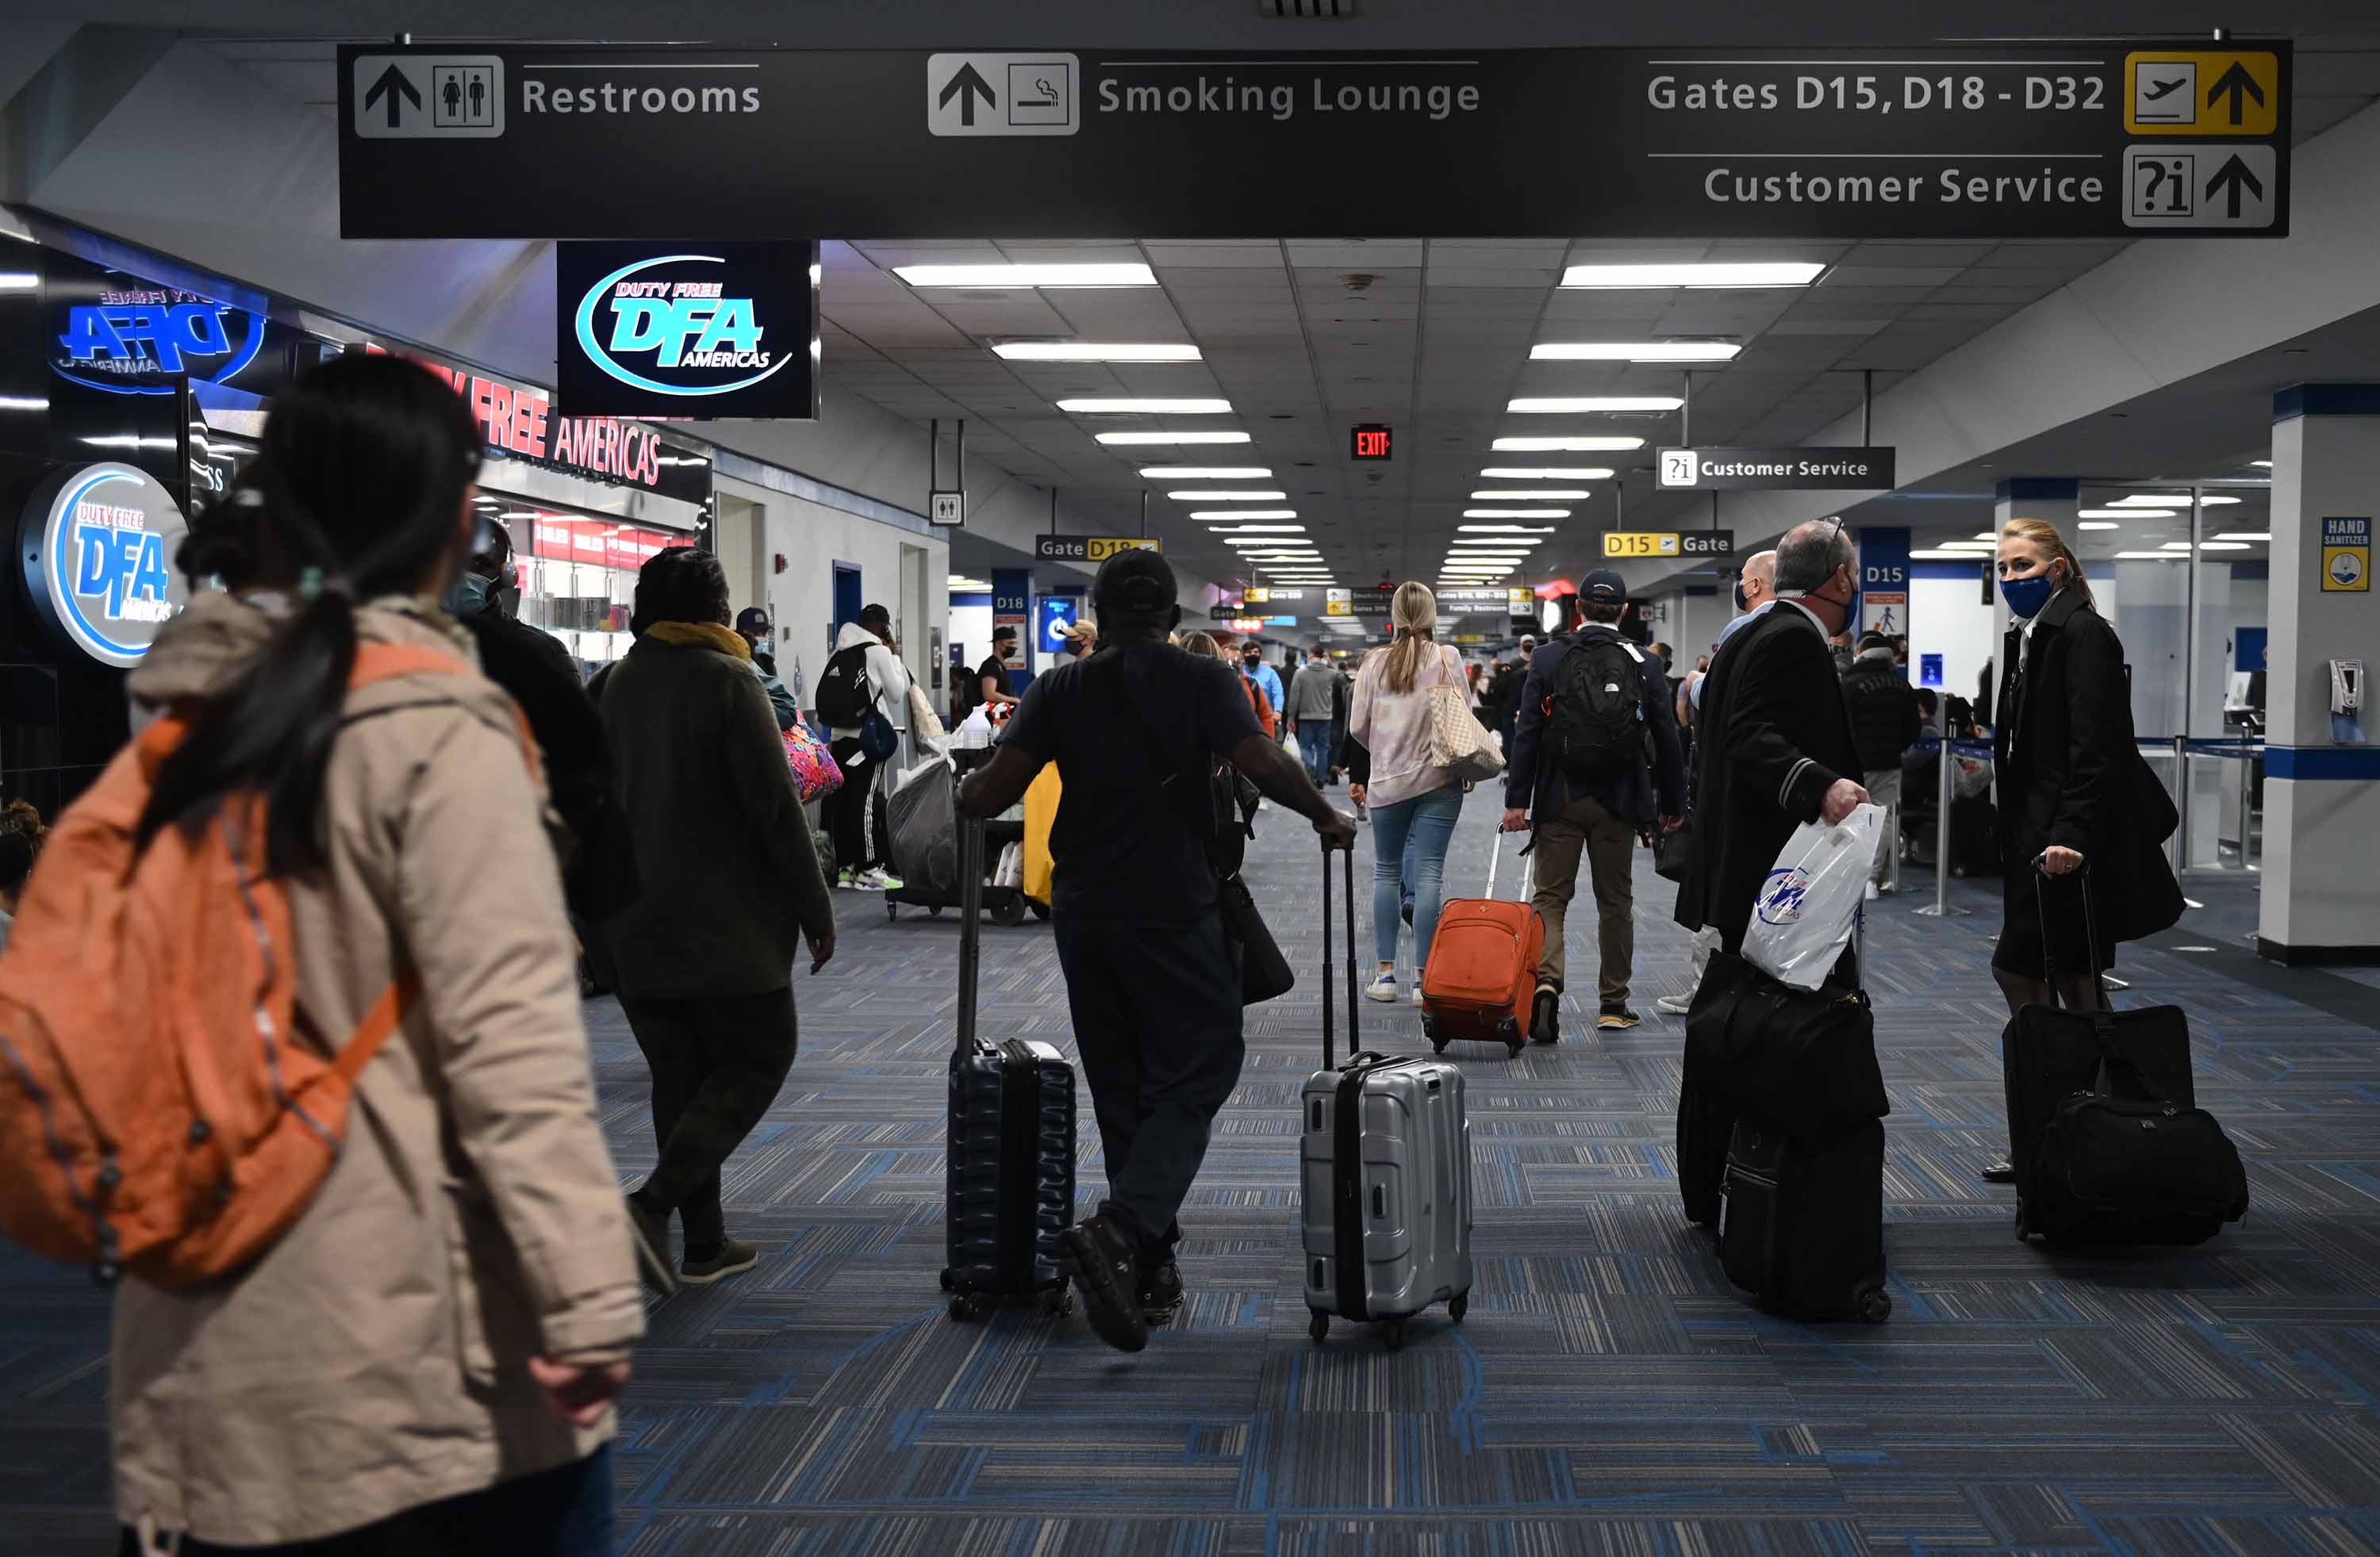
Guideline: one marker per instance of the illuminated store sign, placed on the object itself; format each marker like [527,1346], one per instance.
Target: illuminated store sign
[140,340]
[98,543]
[700,330]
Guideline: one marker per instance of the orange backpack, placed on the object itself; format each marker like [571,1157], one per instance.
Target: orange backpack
[158,1113]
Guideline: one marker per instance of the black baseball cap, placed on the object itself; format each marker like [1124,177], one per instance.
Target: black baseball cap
[1603,587]
[1005,633]
[752,622]
[1135,582]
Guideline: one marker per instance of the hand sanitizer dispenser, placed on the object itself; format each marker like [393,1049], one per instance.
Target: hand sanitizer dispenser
[2347,702]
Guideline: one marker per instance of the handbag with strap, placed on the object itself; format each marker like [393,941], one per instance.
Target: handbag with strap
[1459,744]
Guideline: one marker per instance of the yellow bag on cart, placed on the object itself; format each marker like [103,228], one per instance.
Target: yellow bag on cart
[1040,811]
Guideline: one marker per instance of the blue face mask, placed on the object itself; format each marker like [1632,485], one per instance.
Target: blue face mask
[469,597]
[2025,597]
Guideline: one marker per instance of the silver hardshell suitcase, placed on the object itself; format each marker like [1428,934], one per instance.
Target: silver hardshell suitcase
[1385,1174]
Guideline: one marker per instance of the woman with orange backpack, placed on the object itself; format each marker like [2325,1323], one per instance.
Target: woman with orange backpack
[417,1351]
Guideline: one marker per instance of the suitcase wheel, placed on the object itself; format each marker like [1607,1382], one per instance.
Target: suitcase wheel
[1319,1326]
[1011,912]
[1438,1045]
[1874,1307]
[1393,1332]
[1059,1304]
[935,911]
[892,910]
[1460,1306]
[962,1309]
[1512,1047]
[948,1283]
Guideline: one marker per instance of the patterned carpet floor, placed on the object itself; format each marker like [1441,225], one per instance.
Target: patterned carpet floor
[1610,1391]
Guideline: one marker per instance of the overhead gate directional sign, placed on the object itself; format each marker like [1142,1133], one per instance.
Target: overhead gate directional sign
[2131,139]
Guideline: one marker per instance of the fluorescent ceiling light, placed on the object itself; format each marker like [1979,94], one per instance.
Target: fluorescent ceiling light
[18,280]
[1253,540]
[1224,494]
[2152,556]
[1549,494]
[1565,445]
[969,585]
[1505,529]
[1206,472]
[1633,351]
[2261,465]
[2122,514]
[1516,514]
[2104,525]
[1556,404]
[1229,515]
[1547,473]
[2181,546]
[2244,534]
[1027,275]
[1126,405]
[1496,545]
[1253,529]
[1089,351]
[1933,554]
[2169,500]
[1977,548]
[1987,534]
[1173,437]
[1757,272]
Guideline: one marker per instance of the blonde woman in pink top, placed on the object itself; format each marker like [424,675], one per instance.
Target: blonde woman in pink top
[1409,798]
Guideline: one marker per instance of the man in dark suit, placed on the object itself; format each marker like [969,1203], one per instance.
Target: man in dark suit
[1777,748]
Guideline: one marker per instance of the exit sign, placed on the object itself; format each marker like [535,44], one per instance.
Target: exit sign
[1371,441]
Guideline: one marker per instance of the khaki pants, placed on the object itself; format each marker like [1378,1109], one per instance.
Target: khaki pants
[1610,847]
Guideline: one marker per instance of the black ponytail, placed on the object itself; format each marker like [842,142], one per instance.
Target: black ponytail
[362,474]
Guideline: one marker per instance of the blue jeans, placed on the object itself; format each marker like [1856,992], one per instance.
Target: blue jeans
[1427,822]
[1314,746]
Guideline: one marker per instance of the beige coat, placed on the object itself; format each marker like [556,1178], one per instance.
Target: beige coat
[376,1357]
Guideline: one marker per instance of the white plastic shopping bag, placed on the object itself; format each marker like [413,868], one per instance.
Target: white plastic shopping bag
[1801,920]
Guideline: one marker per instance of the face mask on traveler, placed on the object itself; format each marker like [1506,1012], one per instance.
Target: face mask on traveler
[1742,601]
[470,595]
[2025,597]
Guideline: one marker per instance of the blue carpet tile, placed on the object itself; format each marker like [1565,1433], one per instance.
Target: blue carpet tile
[1610,1391]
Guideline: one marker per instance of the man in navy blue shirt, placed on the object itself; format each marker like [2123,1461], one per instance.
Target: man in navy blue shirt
[1137,729]
[1579,774]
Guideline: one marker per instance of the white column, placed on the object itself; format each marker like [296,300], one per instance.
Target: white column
[2322,804]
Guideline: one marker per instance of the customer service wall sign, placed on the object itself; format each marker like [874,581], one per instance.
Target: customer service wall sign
[2060,139]
[98,543]
[700,331]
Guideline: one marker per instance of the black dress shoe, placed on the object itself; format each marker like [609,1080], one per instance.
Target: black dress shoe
[1106,1270]
[2002,1171]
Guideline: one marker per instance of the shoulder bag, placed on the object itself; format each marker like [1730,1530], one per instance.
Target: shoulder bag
[1459,744]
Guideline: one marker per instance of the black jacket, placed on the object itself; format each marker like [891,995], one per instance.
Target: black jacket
[1775,736]
[1542,790]
[599,878]
[1885,720]
[2070,773]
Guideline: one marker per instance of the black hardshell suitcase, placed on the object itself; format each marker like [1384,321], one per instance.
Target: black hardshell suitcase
[1009,1177]
[1802,1227]
[2050,1055]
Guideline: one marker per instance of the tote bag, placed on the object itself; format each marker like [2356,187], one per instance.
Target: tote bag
[1459,744]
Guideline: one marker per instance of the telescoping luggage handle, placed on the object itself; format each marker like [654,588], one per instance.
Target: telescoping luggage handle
[2090,938]
[970,923]
[1355,1037]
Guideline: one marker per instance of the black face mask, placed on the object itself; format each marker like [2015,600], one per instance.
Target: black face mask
[1742,601]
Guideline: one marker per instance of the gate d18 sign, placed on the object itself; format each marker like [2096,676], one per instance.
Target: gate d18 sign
[1983,140]
[700,331]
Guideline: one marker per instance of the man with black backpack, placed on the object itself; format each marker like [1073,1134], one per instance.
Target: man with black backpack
[863,695]
[1593,703]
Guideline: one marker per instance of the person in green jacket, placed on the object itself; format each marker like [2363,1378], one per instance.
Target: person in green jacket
[731,889]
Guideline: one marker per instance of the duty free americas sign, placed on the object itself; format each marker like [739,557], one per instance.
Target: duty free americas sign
[2107,140]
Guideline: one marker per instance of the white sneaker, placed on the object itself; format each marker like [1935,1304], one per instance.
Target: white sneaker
[878,880]
[1416,992]
[1382,988]
[1872,894]
[1676,1004]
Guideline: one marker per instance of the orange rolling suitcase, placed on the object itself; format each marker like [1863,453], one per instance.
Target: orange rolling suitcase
[1482,972]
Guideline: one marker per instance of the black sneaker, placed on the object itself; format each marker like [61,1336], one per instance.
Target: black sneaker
[1160,1290]
[1107,1273]
[1616,1015]
[650,1231]
[1545,1017]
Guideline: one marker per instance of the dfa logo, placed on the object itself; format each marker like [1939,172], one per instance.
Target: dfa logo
[98,559]
[139,342]
[684,330]
[1781,895]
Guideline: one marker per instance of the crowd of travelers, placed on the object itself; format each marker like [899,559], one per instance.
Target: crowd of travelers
[425,1355]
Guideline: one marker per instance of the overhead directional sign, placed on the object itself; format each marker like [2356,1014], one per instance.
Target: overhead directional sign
[1089,549]
[1738,469]
[1978,142]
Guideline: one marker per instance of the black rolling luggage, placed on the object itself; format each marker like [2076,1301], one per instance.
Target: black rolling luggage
[1802,1227]
[1009,1179]
[2108,1142]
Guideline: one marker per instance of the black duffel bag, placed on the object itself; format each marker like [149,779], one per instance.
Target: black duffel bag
[2133,1169]
[1799,1060]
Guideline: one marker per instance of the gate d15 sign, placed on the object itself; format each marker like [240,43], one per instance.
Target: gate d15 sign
[700,330]
[98,543]
[2069,139]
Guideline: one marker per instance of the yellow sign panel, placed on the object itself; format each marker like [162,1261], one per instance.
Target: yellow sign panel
[2212,91]
[1256,595]
[1640,543]
[2347,556]
[1104,547]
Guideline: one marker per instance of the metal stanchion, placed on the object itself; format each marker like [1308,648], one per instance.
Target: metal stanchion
[2247,800]
[1941,907]
[2181,804]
